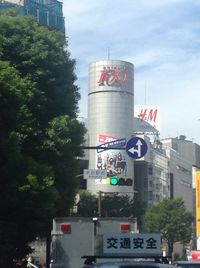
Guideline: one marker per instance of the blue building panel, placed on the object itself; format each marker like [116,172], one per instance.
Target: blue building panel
[48,13]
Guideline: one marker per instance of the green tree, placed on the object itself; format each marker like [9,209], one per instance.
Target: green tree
[172,220]
[88,205]
[117,206]
[111,206]
[40,135]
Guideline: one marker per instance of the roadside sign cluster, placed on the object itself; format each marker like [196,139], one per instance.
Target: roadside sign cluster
[135,148]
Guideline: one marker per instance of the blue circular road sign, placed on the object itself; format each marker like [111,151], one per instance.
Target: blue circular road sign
[136,147]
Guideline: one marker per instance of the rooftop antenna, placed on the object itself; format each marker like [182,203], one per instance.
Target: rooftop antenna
[145,94]
[108,53]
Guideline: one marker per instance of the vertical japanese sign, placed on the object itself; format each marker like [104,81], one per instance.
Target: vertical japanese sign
[198,203]
[132,244]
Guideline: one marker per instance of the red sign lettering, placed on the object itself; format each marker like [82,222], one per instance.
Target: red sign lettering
[113,76]
[152,115]
[146,115]
[106,138]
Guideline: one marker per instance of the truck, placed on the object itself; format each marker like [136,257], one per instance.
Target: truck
[75,237]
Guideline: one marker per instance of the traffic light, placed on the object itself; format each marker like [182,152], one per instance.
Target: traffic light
[121,181]
[113,181]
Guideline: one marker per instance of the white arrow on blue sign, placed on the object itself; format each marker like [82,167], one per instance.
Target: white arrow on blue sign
[136,147]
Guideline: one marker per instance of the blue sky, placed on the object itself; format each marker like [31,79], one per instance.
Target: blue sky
[161,39]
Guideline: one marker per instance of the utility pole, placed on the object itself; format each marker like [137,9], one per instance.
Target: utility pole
[99,203]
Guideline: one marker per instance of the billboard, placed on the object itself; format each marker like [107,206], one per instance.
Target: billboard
[113,161]
[113,76]
[146,119]
[198,203]
[194,171]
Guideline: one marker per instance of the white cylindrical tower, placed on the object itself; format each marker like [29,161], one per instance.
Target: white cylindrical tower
[110,118]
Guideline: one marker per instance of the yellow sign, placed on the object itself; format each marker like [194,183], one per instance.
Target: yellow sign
[198,203]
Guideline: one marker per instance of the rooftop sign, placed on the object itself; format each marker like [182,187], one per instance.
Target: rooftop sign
[146,119]
[113,76]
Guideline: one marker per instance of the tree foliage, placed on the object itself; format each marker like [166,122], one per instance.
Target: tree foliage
[40,136]
[111,206]
[172,220]
[88,205]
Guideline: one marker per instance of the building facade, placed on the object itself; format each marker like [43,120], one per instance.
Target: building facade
[183,155]
[48,13]
[166,173]
[186,148]
[152,182]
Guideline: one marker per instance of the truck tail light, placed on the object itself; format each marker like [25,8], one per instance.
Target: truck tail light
[125,227]
[65,228]
[195,256]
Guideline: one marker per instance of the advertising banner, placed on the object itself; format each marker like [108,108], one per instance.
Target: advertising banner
[113,161]
[194,171]
[198,203]
[103,138]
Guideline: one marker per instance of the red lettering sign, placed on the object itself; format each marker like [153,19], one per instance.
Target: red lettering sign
[146,115]
[106,138]
[113,76]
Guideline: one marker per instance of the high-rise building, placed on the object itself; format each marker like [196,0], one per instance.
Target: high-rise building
[166,171]
[186,148]
[48,13]
[152,182]
[110,121]
[183,154]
